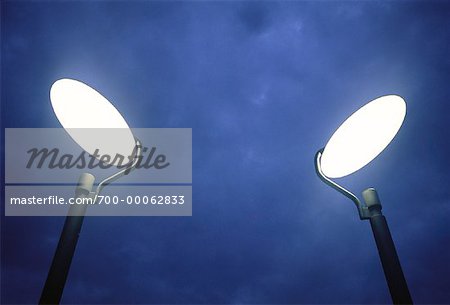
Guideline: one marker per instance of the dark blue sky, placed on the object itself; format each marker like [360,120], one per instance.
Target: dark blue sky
[263,85]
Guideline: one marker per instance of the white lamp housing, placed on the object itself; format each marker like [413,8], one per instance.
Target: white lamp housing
[91,120]
[363,136]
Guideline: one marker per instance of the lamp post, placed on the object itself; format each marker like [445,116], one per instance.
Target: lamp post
[95,125]
[360,139]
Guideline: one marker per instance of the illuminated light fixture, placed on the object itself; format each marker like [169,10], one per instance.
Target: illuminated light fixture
[90,119]
[359,140]
[363,136]
[96,126]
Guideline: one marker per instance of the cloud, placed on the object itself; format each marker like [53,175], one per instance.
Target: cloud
[263,85]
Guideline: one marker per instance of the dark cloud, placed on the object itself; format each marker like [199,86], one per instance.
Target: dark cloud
[255,17]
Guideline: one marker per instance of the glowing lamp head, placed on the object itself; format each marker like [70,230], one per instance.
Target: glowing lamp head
[91,120]
[363,136]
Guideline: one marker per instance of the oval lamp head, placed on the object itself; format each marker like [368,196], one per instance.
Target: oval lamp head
[363,136]
[92,121]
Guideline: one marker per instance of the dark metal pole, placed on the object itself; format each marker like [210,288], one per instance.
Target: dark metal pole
[57,275]
[386,249]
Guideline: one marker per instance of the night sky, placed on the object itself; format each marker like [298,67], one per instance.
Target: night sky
[263,85]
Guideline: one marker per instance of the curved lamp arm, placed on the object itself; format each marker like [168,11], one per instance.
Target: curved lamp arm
[119,174]
[362,208]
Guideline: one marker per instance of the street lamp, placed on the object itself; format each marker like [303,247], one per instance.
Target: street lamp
[98,127]
[359,140]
